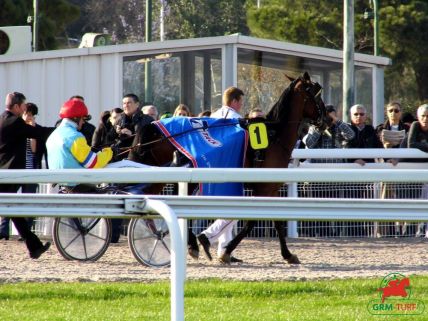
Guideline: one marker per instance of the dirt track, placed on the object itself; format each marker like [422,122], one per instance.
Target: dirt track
[321,259]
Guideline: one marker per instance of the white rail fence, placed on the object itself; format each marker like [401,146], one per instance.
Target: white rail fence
[404,190]
[331,190]
[176,209]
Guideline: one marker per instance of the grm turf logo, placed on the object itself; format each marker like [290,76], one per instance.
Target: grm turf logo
[395,297]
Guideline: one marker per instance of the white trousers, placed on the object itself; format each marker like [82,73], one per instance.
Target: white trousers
[221,231]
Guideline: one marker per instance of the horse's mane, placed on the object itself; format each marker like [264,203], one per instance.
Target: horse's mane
[280,110]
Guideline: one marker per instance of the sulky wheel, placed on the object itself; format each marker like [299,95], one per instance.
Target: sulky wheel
[149,241]
[82,239]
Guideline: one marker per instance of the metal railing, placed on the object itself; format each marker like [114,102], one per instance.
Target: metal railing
[176,209]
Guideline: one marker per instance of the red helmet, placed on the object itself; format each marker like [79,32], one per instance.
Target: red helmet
[73,108]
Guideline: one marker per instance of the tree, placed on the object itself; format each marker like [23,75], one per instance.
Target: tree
[205,18]
[403,26]
[311,22]
[319,23]
[124,20]
[54,15]
[13,12]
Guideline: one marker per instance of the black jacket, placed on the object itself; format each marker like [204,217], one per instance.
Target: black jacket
[13,140]
[365,138]
[135,124]
[41,152]
[88,131]
[386,125]
[104,135]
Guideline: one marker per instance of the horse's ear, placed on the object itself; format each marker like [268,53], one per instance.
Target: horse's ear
[289,78]
[306,76]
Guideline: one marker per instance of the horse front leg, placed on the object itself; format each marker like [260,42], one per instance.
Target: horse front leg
[286,254]
[232,245]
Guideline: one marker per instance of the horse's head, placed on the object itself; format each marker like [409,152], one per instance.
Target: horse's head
[313,106]
[149,145]
[300,100]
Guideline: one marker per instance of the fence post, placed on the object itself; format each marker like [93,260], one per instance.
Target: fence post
[292,225]
[178,257]
[183,190]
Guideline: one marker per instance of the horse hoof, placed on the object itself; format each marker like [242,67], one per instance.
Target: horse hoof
[194,254]
[293,259]
[203,240]
[225,259]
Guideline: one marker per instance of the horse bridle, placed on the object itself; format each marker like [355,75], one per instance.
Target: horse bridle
[313,90]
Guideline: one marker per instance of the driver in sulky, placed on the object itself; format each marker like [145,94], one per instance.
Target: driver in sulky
[67,146]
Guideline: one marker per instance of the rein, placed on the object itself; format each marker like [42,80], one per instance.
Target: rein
[312,92]
[163,138]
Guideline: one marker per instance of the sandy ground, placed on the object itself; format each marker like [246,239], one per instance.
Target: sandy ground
[321,259]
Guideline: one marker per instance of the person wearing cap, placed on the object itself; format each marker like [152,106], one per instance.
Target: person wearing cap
[13,141]
[87,129]
[67,146]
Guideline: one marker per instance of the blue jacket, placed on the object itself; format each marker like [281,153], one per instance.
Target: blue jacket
[67,148]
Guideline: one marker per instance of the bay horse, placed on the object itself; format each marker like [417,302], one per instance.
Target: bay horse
[300,100]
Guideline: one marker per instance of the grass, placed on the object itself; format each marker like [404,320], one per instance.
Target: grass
[204,300]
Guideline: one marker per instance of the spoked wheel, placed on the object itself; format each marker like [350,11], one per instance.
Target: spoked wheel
[82,239]
[150,242]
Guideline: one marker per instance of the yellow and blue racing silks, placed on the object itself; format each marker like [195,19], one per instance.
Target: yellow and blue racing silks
[67,148]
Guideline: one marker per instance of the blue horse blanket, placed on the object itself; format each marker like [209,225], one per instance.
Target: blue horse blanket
[209,143]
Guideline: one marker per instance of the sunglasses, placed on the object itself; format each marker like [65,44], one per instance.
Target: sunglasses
[394,110]
[359,114]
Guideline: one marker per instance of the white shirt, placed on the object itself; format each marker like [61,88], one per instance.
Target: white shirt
[226,112]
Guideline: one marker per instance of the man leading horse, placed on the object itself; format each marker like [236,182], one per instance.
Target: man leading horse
[221,229]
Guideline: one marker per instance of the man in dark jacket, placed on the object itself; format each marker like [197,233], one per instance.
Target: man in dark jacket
[35,153]
[365,134]
[131,122]
[13,139]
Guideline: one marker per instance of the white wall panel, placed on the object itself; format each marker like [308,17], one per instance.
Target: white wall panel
[72,77]
[15,76]
[34,89]
[110,92]
[3,84]
[53,90]
[48,78]
[91,91]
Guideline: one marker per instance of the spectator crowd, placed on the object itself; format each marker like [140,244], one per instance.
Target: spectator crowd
[75,143]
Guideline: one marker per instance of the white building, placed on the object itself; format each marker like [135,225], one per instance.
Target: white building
[190,71]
